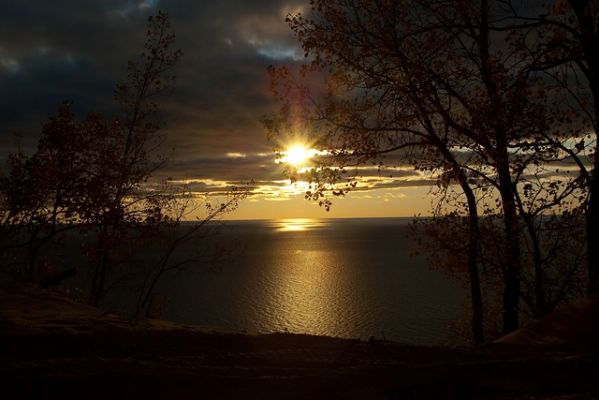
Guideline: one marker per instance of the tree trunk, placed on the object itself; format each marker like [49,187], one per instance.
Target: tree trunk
[540,307]
[473,241]
[593,204]
[511,293]
[592,220]
[99,279]
[473,245]
[495,117]
[590,47]
[32,250]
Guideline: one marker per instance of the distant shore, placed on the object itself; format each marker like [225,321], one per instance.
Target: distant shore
[52,346]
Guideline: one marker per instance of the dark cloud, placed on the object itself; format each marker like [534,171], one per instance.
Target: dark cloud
[75,51]
[52,51]
[225,168]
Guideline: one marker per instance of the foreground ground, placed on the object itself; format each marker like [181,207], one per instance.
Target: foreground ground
[52,347]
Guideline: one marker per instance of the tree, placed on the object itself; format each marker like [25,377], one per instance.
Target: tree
[567,51]
[43,191]
[550,210]
[383,118]
[172,235]
[438,76]
[96,175]
[126,209]
[583,32]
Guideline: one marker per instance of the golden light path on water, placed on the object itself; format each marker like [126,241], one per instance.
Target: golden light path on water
[339,277]
[308,291]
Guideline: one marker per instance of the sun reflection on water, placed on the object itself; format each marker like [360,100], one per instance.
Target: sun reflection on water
[308,292]
[297,224]
[308,288]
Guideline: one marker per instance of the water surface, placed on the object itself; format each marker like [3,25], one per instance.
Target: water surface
[353,278]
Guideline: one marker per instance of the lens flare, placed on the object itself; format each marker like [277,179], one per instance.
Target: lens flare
[297,155]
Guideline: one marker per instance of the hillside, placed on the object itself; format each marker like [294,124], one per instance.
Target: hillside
[52,346]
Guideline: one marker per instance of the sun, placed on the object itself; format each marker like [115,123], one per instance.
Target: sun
[297,155]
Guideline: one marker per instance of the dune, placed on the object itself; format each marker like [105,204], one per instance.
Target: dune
[51,346]
[574,325]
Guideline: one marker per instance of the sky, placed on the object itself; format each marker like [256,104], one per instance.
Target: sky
[67,50]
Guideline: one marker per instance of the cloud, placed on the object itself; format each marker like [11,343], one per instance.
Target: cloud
[128,9]
[8,63]
[68,50]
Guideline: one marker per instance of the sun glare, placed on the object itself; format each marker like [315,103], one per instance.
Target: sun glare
[297,155]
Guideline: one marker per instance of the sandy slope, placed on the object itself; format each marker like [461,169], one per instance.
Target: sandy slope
[53,347]
[574,325]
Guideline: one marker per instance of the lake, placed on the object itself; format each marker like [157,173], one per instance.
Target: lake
[351,278]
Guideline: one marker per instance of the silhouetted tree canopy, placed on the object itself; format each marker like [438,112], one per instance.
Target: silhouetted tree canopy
[95,175]
[462,91]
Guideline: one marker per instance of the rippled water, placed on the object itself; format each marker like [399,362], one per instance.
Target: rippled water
[346,278]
